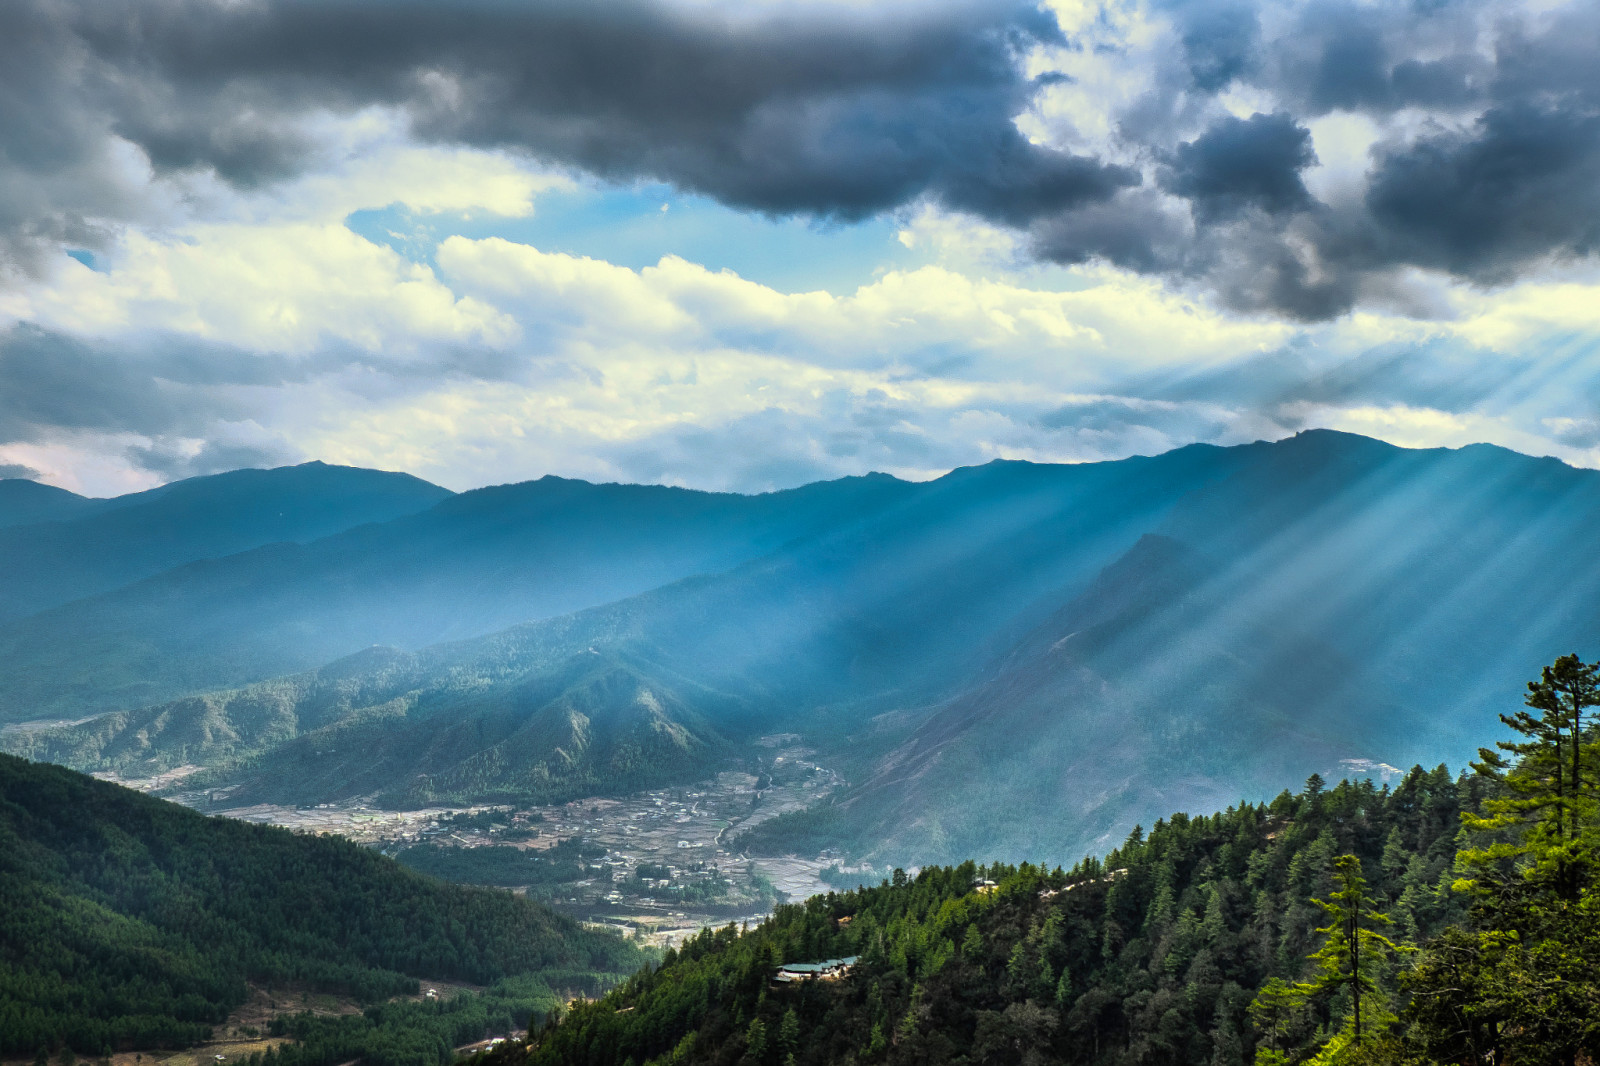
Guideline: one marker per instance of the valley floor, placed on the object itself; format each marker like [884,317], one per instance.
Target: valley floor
[680,835]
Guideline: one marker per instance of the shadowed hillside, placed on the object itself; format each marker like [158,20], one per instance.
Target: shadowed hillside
[23,502]
[135,923]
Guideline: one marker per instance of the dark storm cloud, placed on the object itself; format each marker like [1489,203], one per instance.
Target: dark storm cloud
[50,382]
[840,117]
[1503,177]
[1239,164]
[1220,39]
[214,457]
[18,470]
[1524,181]
[841,114]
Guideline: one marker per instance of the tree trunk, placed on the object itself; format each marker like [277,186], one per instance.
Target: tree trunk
[1355,970]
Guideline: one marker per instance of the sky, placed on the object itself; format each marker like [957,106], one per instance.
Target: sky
[747,245]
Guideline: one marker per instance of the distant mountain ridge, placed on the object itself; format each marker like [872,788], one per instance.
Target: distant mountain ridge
[896,606]
[23,502]
[1009,657]
[99,545]
[473,564]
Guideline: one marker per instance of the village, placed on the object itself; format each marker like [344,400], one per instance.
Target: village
[657,866]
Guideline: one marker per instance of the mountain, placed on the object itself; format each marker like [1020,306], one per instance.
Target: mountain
[899,604]
[120,541]
[1334,599]
[130,922]
[1006,659]
[1153,954]
[23,502]
[473,564]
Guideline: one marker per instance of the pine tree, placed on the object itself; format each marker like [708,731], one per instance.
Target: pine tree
[1273,1011]
[1549,787]
[1349,960]
[1351,954]
[1523,979]
[789,1032]
[755,1039]
[971,943]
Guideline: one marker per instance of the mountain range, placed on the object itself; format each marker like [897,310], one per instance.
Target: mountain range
[1014,659]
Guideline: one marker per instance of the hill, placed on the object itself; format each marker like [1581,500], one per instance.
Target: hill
[1333,600]
[23,502]
[1439,921]
[131,923]
[119,541]
[474,564]
[1152,954]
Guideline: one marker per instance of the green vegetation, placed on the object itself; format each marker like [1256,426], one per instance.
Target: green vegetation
[913,628]
[504,865]
[410,1033]
[134,923]
[1153,954]
[585,724]
[1443,920]
[1520,982]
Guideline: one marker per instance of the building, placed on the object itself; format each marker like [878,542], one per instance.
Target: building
[826,970]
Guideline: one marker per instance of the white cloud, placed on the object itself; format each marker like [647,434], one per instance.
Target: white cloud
[283,288]
[506,361]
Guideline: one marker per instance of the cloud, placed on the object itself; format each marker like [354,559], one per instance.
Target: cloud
[1168,222]
[171,460]
[1243,164]
[840,116]
[677,373]
[50,383]
[1520,185]
[282,286]
[1137,135]
[19,470]
[1481,165]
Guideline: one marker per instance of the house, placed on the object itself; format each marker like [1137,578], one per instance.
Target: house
[826,970]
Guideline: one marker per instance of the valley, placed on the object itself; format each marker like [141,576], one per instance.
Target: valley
[656,866]
[1011,661]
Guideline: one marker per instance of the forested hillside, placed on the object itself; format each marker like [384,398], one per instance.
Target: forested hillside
[129,922]
[1152,954]
[1446,919]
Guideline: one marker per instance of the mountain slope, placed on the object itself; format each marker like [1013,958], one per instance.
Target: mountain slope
[476,563]
[1152,955]
[885,611]
[1336,599]
[23,502]
[1010,657]
[142,534]
[134,923]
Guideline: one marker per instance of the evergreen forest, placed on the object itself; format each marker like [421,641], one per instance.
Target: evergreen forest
[133,923]
[1444,919]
